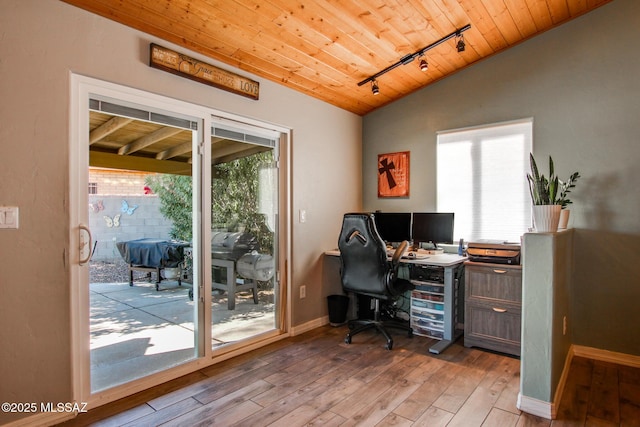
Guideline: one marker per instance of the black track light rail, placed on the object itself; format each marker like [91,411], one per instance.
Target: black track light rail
[411,56]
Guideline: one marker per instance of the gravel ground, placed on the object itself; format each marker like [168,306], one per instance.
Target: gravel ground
[108,272]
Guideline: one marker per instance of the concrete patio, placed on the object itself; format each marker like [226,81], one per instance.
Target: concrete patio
[136,330]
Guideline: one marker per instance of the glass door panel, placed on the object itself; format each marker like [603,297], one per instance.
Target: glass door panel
[142,320]
[244,235]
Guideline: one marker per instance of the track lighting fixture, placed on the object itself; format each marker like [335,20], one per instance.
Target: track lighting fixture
[460,46]
[424,66]
[374,87]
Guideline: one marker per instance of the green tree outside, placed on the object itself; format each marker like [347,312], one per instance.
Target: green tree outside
[234,199]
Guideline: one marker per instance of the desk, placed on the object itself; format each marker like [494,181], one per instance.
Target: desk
[442,260]
[450,268]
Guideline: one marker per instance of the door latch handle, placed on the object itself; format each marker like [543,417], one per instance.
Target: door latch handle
[83,243]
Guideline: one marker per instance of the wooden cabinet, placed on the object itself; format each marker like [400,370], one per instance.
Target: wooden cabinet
[493,305]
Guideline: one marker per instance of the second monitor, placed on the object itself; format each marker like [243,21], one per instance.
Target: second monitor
[432,227]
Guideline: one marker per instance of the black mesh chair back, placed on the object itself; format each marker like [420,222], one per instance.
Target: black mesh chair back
[366,270]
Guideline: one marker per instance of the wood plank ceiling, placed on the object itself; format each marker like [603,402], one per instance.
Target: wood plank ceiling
[122,142]
[323,48]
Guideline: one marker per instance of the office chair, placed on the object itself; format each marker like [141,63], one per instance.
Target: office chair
[365,270]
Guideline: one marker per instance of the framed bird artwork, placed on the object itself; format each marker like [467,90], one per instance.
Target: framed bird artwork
[393,174]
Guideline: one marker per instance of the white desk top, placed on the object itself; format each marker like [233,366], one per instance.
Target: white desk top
[442,260]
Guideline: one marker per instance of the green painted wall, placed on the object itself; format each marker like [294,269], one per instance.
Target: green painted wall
[580,84]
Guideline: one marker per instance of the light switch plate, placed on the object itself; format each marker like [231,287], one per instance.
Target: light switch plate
[8,217]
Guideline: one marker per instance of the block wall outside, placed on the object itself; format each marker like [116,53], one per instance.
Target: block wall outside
[142,219]
[117,182]
[122,209]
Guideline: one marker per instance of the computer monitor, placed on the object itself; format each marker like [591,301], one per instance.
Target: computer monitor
[393,227]
[432,227]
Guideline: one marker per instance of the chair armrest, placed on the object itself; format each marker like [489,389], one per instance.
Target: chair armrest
[400,250]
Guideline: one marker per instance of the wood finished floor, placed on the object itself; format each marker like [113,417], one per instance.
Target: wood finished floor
[316,380]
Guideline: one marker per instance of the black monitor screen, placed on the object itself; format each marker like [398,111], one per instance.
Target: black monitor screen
[434,227]
[393,226]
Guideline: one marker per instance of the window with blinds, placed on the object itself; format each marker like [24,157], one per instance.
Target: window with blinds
[482,179]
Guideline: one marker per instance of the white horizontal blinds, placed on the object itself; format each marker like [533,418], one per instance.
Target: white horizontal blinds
[120,108]
[243,132]
[482,179]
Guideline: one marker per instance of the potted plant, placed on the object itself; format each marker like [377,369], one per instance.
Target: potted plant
[548,195]
[565,189]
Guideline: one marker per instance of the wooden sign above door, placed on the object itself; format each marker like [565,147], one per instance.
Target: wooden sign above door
[185,66]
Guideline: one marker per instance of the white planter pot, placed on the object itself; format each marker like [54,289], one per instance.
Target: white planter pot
[564,219]
[546,218]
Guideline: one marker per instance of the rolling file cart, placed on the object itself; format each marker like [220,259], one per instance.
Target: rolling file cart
[437,302]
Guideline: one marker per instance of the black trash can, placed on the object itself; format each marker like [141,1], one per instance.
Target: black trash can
[338,305]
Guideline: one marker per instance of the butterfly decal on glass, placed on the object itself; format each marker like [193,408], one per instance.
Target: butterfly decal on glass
[97,206]
[112,222]
[129,210]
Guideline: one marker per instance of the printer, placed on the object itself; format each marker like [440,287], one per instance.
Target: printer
[493,251]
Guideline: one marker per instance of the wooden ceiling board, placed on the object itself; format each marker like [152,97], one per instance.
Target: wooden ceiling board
[154,147]
[323,48]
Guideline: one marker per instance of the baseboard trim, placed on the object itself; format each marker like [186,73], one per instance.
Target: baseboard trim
[606,356]
[306,327]
[548,409]
[535,407]
[557,397]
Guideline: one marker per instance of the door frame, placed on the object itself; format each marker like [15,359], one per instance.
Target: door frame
[81,88]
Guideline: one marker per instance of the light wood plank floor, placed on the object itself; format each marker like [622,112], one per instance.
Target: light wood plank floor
[315,379]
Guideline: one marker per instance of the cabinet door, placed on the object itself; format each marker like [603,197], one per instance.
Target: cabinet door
[493,326]
[494,282]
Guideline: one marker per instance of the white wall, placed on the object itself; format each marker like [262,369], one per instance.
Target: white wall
[42,42]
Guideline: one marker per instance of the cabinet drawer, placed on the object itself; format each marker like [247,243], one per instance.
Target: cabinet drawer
[493,326]
[428,324]
[429,296]
[428,287]
[427,315]
[421,303]
[494,282]
[427,332]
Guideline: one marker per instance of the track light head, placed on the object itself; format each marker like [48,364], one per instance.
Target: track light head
[374,87]
[424,66]
[460,45]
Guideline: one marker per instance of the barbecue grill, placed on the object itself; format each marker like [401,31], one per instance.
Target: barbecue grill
[152,255]
[237,252]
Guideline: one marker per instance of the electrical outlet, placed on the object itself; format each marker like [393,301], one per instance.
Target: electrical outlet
[303,291]
[564,325]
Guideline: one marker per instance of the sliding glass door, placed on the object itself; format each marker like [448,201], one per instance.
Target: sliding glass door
[244,232]
[141,217]
[179,237]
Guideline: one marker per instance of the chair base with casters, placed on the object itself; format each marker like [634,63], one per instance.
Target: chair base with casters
[357,326]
